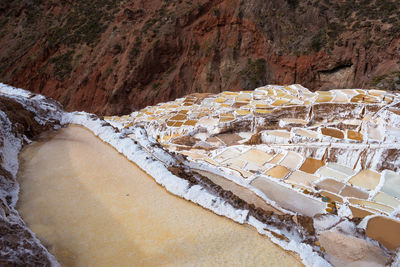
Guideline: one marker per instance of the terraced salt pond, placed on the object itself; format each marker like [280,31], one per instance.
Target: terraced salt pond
[92,207]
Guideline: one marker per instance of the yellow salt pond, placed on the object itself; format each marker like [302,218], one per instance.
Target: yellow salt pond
[242,112]
[280,102]
[226,119]
[255,155]
[92,207]
[371,205]
[277,159]
[190,122]
[277,172]
[324,98]
[366,179]
[354,135]
[263,111]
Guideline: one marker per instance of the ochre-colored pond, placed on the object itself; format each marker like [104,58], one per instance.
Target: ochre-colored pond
[92,207]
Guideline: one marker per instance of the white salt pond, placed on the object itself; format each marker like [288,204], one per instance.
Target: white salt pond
[90,206]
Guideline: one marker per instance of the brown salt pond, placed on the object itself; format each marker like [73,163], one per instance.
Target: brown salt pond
[385,230]
[332,132]
[311,165]
[92,207]
[354,135]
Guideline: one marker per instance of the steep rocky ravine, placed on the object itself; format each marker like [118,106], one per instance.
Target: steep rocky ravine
[112,56]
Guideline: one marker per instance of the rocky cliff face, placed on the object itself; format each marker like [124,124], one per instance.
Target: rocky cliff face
[110,56]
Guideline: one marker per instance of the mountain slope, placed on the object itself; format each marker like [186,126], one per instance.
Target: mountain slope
[109,56]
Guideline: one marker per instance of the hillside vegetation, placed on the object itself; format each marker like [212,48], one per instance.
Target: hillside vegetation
[112,56]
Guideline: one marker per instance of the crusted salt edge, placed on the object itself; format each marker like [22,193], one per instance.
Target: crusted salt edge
[11,144]
[7,89]
[396,260]
[9,152]
[344,210]
[20,96]
[178,186]
[30,103]
[378,188]
[307,255]
[326,222]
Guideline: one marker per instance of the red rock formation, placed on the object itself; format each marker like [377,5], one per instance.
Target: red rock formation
[115,57]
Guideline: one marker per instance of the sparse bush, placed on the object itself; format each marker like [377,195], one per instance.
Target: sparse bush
[62,64]
[210,77]
[148,24]
[129,13]
[378,79]
[117,48]
[215,12]
[318,41]
[85,23]
[293,3]
[254,72]
[109,70]
[156,86]
[135,51]
[196,46]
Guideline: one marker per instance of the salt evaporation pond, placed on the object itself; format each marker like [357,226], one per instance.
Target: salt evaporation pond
[92,207]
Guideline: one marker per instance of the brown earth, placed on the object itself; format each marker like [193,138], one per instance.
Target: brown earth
[111,56]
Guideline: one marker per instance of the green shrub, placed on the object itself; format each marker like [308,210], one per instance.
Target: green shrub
[215,12]
[135,50]
[293,3]
[318,41]
[117,48]
[156,86]
[62,64]
[255,71]
[84,23]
